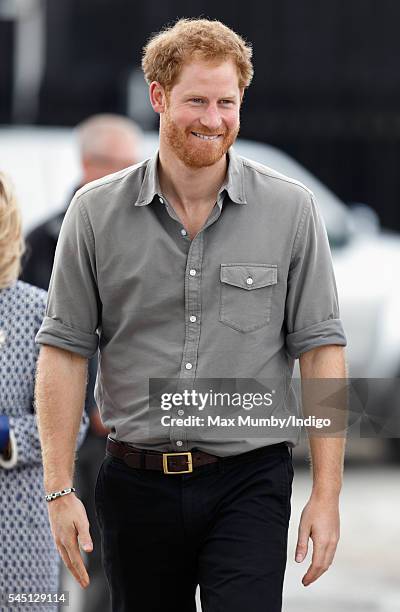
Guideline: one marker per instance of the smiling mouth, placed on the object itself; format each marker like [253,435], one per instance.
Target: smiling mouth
[204,137]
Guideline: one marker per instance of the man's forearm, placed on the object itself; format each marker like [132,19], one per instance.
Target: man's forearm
[60,396]
[327,453]
[327,457]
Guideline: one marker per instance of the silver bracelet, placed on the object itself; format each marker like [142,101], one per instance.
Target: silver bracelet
[56,494]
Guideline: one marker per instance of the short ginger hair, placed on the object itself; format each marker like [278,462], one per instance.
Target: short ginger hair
[192,39]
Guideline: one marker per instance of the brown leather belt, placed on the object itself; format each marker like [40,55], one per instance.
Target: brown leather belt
[169,463]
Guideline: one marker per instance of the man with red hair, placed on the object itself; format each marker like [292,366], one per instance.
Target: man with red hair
[196,264]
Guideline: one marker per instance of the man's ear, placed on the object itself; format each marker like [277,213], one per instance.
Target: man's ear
[157,97]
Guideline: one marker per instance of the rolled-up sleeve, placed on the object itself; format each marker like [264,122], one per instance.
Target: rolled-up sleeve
[73,304]
[312,316]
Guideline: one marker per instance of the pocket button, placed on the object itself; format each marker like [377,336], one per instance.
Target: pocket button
[246,295]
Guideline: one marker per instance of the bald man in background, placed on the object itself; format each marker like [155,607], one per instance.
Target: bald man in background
[107,143]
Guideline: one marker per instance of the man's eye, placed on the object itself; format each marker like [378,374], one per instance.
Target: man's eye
[226,102]
[197,100]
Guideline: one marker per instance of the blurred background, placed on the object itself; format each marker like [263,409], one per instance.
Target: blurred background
[326,86]
[324,108]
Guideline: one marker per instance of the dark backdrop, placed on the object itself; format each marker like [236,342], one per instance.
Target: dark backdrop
[326,86]
[6,69]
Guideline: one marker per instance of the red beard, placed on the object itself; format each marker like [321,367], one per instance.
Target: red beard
[198,154]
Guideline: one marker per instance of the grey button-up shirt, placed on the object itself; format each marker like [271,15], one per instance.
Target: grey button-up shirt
[252,291]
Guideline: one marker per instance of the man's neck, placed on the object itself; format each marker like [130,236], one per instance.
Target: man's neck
[189,187]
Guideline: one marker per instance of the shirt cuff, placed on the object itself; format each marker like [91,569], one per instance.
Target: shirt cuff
[55,333]
[319,334]
[12,461]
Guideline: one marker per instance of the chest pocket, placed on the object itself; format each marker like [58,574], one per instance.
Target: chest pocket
[246,295]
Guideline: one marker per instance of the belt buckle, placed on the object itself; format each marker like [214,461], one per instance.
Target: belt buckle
[189,462]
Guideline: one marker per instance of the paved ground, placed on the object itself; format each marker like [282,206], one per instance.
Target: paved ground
[365,576]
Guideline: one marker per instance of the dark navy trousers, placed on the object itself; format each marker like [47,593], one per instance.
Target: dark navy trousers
[223,527]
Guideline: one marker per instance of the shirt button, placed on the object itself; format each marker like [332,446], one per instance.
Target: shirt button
[192,272]
[192,319]
[161,200]
[179,443]
[183,232]
[249,280]
[188,366]
[181,412]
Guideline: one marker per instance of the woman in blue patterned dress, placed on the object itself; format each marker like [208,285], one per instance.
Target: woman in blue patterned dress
[29,561]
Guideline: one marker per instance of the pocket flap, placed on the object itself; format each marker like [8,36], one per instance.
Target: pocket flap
[249,276]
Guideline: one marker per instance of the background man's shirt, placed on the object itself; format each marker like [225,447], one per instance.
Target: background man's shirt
[252,291]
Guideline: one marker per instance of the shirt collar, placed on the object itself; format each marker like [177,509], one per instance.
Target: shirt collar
[233,184]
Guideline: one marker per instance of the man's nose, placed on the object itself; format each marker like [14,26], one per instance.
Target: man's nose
[211,118]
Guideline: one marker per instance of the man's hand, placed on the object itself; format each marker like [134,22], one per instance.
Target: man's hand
[319,521]
[60,397]
[70,528]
